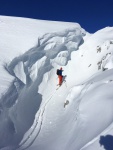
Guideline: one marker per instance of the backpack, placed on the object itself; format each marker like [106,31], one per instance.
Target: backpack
[59,72]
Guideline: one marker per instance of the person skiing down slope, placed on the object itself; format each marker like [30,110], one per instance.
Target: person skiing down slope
[60,77]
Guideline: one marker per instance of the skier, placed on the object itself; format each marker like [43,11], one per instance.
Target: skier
[60,77]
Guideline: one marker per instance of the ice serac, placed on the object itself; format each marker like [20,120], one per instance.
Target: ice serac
[19,72]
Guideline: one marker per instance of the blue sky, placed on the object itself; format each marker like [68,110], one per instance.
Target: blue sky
[92,15]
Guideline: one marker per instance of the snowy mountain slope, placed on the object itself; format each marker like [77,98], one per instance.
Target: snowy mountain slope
[19,72]
[18,35]
[77,128]
[33,114]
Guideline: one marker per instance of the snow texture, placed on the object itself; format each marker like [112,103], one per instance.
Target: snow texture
[34,112]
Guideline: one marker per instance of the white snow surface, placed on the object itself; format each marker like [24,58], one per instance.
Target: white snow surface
[34,112]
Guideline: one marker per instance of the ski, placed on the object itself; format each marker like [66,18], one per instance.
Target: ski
[58,87]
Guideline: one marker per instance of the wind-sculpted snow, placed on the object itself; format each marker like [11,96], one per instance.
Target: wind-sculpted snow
[36,114]
[23,98]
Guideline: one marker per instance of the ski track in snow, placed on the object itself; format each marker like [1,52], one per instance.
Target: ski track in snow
[37,125]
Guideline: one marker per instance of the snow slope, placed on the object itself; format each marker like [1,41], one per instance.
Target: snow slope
[34,114]
[18,35]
